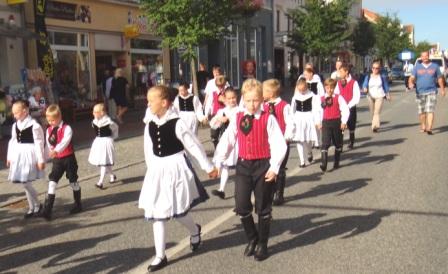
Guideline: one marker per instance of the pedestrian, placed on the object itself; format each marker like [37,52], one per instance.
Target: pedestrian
[335,74]
[281,110]
[261,149]
[102,152]
[118,92]
[376,87]
[220,122]
[407,69]
[25,156]
[424,77]
[305,106]
[202,77]
[316,77]
[211,88]
[37,105]
[348,88]
[169,189]
[217,103]
[334,122]
[313,82]
[189,107]
[59,142]
[109,100]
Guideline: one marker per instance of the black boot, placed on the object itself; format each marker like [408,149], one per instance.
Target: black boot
[324,159]
[337,158]
[251,233]
[48,207]
[261,252]
[77,197]
[278,196]
[352,140]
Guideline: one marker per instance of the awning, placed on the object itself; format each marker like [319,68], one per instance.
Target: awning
[17,32]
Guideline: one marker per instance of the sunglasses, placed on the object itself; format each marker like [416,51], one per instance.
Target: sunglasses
[375,68]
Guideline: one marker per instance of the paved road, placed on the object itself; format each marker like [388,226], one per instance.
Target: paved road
[384,211]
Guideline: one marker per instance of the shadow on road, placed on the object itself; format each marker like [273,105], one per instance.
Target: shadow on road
[390,142]
[399,126]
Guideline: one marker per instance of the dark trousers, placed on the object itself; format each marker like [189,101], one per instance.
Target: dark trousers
[285,160]
[68,165]
[250,178]
[331,132]
[406,81]
[351,123]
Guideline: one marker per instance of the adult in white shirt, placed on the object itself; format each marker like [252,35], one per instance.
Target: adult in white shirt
[335,74]
[407,69]
[210,88]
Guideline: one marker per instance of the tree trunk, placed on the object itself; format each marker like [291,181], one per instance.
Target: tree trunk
[194,79]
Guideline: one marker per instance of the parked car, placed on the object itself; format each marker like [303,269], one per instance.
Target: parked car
[397,73]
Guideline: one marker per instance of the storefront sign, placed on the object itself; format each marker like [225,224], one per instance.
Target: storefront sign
[44,53]
[15,2]
[60,10]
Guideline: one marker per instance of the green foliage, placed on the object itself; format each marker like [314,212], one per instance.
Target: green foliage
[320,28]
[390,38]
[421,47]
[185,24]
[363,37]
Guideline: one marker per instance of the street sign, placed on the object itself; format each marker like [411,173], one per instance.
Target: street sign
[406,55]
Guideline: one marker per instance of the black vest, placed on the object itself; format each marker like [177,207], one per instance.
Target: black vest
[25,136]
[164,140]
[312,87]
[102,131]
[186,104]
[304,106]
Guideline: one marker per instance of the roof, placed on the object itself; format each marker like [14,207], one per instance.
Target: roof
[370,16]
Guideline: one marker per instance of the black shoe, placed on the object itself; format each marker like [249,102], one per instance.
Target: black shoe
[48,207]
[350,146]
[155,267]
[100,186]
[375,130]
[195,246]
[218,193]
[28,215]
[324,159]
[250,248]
[261,252]
[278,198]
[113,179]
[77,197]
[429,132]
[310,158]
[302,166]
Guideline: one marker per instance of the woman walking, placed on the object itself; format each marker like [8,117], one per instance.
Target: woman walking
[377,88]
[118,93]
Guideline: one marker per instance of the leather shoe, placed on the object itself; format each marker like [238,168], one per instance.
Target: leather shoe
[261,252]
[195,246]
[250,248]
[155,267]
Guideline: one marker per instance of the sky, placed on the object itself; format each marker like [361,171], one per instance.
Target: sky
[429,17]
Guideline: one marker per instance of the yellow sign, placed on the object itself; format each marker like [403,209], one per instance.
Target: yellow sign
[15,2]
[131,31]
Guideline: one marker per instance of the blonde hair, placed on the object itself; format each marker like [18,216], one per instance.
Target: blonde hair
[252,85]
[272,85]
[53,110]
[301,82]
[100,107]
[165,92]
[220,80]
[118,72]
[330,83]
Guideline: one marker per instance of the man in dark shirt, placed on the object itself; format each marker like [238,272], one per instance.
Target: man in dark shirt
[202,77]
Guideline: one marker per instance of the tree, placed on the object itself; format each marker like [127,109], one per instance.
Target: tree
[421,47]
[186,24]
[363,37]
[390,39]
[320,27]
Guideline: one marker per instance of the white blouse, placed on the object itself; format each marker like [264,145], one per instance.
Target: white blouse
[376,87]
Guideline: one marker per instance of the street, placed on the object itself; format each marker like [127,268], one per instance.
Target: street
[383,211]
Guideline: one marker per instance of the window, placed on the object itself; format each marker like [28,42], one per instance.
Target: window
[278,21]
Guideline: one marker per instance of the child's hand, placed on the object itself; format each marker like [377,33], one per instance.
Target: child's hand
[270,176]
[41,166]
[53,153]
[221,99]
[343,127]
[319,126]
[8,163]
[223,119]
[213,174]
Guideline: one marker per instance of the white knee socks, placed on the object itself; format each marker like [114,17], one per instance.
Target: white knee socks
[188,222]
[224,178]
[31,196]
[301,151]
[158,228]
[103,171]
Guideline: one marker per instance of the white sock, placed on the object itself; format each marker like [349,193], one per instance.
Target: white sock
[158,228]
[31,191]
[300,150]
[188,222]
[102,174]
[52,187]
[29,198]
[307,151]
[224,178]
[112,175]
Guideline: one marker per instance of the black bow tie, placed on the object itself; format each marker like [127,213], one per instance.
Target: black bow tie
[328,102]
[53,138]
[246,123]
[272,109]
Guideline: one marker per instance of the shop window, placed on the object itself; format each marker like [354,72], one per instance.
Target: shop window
[145,44]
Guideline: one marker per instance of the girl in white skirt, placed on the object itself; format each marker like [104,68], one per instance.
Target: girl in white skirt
[25,157]
[189,107]
[220,122]
[169,189]
[306,108]
[102,152]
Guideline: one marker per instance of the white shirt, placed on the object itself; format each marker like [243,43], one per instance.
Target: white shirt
[287,116]
[208,91]
[277,143]
[38,137]
[104,121]
[376,87]
[356,94]
[315,104]
[190,142]
[229,112]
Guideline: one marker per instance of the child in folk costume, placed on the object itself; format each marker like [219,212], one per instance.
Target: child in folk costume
[306,112]
[314,83]
[103,150]
[59,142]
[348,88]
[189,107]
[216,102]
[335,114]
[169,189]
[261,149]
[281,110]
[220,122]
[25,157]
